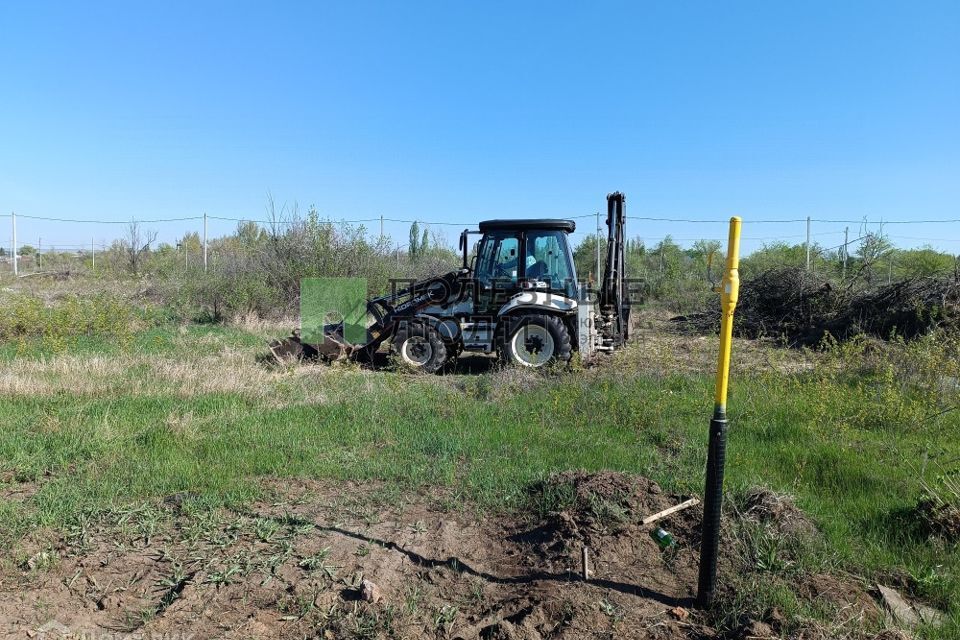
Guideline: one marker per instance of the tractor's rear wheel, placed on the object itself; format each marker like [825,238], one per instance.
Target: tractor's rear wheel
[420,347]
[534,340]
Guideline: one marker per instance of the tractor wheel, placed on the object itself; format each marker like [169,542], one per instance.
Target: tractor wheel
[534,340]
[420,347]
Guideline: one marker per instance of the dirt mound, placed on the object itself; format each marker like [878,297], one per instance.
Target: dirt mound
[802,308]
[843,594]
[577,508]
[940,518]
[776,510]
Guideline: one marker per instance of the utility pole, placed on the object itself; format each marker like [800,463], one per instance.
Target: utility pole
[39,253]
[381,225]
[598,276]
[13,218]
[204,241]
[808,243]
[846,241]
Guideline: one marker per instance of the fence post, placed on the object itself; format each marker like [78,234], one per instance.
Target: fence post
[204,241]
[846,241]
[13,218]
[808,243]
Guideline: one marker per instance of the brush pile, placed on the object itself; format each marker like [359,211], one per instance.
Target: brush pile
[802,309]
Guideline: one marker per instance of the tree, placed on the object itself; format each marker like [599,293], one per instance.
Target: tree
[250,234]
[873,247]
[585,257]
[708,254]
[424,243]
[773,255]
[136,246]
[413,247]
[668,257]
[3,252]
[27,250]
[191,241]
[924,262]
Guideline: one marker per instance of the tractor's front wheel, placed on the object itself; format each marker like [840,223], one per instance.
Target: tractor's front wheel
[534,340]
[420,347]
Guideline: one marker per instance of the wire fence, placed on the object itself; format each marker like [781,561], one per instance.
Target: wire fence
[31,255]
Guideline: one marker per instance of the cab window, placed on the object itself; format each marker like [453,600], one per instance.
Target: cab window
[498,259]
[548,260]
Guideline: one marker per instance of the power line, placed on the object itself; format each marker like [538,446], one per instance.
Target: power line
[90,221]
[439,222]
[718,221]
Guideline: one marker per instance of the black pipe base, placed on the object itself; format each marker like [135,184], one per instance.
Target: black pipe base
[712,502]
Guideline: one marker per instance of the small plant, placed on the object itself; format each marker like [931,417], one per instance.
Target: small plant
[610,609]
[266,529]
[316,560]
[413,598]
[223,577]
[418,527]
[296,606]
[445,617]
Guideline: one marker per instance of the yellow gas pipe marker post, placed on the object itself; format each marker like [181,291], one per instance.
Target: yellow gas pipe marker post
[717,451]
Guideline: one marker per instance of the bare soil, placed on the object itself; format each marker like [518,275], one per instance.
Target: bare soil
[322,560]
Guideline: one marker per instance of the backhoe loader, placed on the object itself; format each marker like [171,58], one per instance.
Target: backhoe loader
[517,297]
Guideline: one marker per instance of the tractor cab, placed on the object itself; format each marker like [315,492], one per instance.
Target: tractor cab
[522,255]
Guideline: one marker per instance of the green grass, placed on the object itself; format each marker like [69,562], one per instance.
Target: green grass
[849,449]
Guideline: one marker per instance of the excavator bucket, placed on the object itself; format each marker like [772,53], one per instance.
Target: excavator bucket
[333,347]
[286,349]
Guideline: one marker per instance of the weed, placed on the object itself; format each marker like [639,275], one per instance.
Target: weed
[445,617]
[418,527]
[314,562]
[266,529]
[413,598]
[224,577]
[611,609]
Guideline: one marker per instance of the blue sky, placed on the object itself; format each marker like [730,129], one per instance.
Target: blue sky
[456,111]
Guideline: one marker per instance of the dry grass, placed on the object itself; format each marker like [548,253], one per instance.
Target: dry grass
[264,327]
[139,374]
[656,348]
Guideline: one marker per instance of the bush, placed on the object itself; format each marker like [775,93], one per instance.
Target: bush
[102,314]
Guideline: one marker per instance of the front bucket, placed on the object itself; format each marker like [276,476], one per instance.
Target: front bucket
[286,349]
[333,347]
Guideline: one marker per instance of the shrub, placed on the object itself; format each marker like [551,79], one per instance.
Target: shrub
[102,314]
